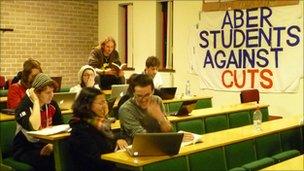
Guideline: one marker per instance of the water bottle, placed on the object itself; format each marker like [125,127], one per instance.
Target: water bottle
[257,119]
[187,90]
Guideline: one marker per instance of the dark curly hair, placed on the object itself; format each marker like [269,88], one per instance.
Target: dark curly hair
[82,105]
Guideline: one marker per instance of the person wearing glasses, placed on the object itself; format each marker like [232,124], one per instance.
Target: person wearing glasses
[144,112]
[86,78]
[91,133]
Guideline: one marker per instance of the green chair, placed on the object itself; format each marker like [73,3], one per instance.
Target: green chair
[195,126]
[267,146]
[7,134]
[292,140]
[66,118]
[203,103]
[172,107]
[176,164]
[259,164]
[239,119]
[237,169]
[209,160]
[240,153]
[216,123]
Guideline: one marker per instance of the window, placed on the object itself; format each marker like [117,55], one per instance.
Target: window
[125,33]
[164,31]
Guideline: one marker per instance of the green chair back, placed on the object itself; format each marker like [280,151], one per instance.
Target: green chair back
[292,140]
[195,126]
[203,103]
[216,123]
[209,160]
[239,119]
[268,145]
[7,134]
[240,153]
[176,164]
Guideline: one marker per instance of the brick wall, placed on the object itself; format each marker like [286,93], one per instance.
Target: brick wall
[60,34]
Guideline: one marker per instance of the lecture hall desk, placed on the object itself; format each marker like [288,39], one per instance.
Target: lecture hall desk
[210,141]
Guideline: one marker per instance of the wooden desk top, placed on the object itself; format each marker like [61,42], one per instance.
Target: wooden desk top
[59,136]
[6,117]
[296,163]
[198,113]
[3,99]
[211,140]
[177,99]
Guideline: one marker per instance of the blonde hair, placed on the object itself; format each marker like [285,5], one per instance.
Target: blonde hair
[106,40]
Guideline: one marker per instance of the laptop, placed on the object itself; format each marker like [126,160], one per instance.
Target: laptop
[58,83]
[167,93]
[185,109]
[155,144]
[118,90]
[65,100]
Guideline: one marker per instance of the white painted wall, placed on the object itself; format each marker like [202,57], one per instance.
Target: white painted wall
[186,14]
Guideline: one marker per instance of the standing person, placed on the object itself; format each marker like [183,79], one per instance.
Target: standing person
[86,78]
[144,112]
[36,111]
[16,91]
[101,58]
[152,66]
[91,133]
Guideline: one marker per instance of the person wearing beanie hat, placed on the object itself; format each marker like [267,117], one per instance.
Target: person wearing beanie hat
[86,78]
[16,91]
[36,111]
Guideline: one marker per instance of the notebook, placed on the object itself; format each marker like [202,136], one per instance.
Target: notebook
[185,109]
[65,100]
[167,93]
[155,144]
[118,90]
[58,82]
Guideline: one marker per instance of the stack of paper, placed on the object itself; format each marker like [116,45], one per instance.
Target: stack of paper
[52,130]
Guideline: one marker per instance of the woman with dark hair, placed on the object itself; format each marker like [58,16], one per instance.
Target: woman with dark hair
[36,111]
[16,91]
[91,133]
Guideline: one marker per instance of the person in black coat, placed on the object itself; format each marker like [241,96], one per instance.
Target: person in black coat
[91,133]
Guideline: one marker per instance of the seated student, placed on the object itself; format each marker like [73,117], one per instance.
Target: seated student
[101,58]
[86,78]
[152,65]
[144,112]
[16,91]
[36,111]
[125,97]
[91,133]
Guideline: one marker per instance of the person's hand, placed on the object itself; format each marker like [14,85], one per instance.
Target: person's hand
[33,95]
[90,82]
[110,71]
[154,110]
[121,144]
[121,73]
[46,150]
[187,137]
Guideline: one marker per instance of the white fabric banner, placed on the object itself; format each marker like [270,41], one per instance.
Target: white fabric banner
[255,48]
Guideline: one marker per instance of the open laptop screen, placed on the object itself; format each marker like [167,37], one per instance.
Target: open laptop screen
[156,144]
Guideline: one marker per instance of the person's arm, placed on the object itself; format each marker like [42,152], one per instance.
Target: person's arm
[128,121]
[93,58]
[14,96]
[23,112]
[155,110]
[35,118]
